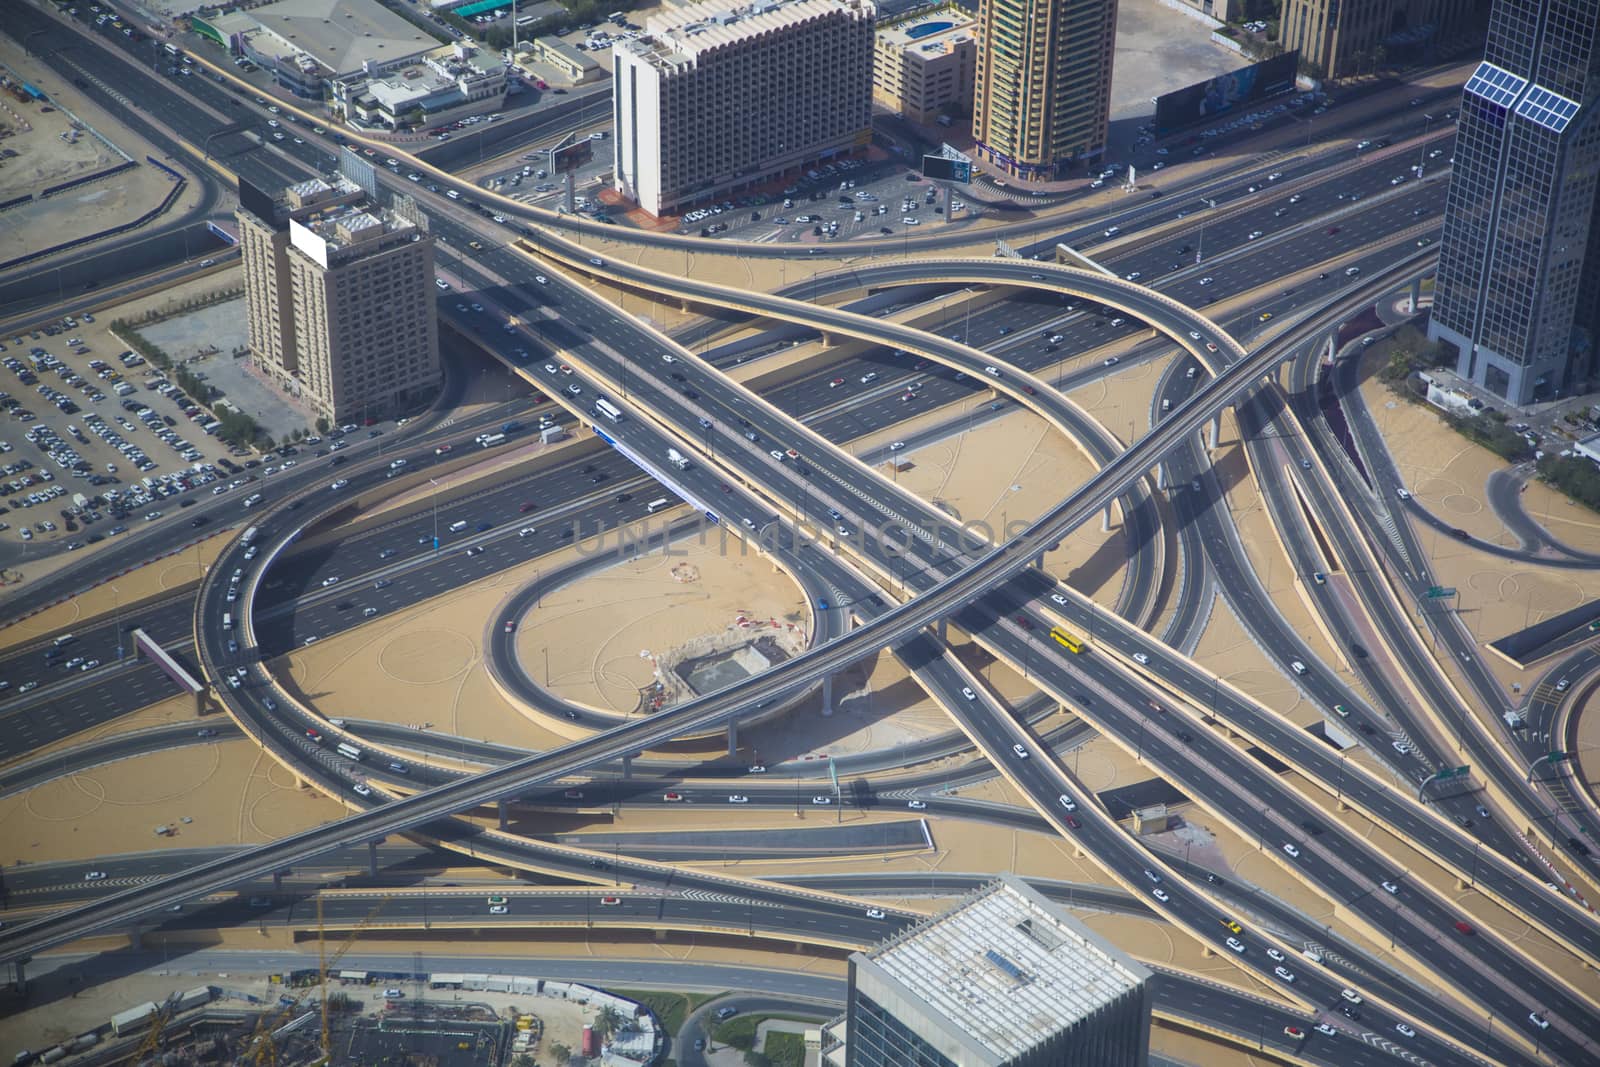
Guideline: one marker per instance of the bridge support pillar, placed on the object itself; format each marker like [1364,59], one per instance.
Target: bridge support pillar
[1038,561]
[627,766]
[372,857]
[827,695]
[829,340]
[1416,294]
[944,629]
[1105,520]
[500,812]
[733,737]
[1213,431]
[1161,476]
[277,881]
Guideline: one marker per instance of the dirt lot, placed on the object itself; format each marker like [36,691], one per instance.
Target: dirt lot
[43,157]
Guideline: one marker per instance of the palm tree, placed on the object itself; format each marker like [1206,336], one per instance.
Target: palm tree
[562,1053]
[608,1022]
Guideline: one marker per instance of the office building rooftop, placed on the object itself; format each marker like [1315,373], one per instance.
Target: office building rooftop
[679,35]
[342,35]
[1007,966]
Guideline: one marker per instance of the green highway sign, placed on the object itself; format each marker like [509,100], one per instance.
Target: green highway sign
[1558,756]
[1454,772]
[1439,592]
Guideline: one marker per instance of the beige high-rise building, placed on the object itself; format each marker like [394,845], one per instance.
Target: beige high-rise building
[1043,99]
[1340,38]
[925,65]
[714,99]
[340,295]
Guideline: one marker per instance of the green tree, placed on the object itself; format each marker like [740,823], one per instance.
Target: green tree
[323,425]
[608,1022]
[524,1059]
[752,1058]
[562,1053]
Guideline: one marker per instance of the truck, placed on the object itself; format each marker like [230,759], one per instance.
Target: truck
[677,459]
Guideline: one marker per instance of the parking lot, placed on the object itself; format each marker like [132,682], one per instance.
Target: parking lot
[88,418]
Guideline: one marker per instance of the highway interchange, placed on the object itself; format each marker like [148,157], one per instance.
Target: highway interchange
[767,489]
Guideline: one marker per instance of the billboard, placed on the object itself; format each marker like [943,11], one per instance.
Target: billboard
[940,169]
[1222,94]
[570,153]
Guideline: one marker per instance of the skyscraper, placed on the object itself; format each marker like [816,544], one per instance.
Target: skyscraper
[714,99]
[1007,978]
[1043,97]
[1340,38]
[340,295]
[1518,292]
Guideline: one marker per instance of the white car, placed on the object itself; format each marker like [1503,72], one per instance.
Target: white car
[1236,945]
[1402,1028]
[1021,753]
[968,693]
[1285,974]
[1292,852]
[1391,888]
[1161,895]
[1274,954]
[1141,659]
[738,798]
[332,579]
[916,805]
[361,789]
[821,800]
[94,876]
[498,909]
[340,484]
[1324,1028]
[1059,599]
[875,913]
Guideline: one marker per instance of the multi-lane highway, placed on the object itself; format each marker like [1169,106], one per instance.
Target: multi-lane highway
[759,478]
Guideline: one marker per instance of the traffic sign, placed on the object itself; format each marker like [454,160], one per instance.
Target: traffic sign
[1453,772]
[1558,756]
[1440,592]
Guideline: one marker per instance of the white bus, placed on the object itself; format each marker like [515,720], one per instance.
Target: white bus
[349,751]
[608,409]
[656,505]
[250,535]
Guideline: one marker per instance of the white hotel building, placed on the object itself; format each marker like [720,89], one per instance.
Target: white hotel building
[712,99]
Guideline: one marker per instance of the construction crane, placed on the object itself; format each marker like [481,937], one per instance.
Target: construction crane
[158,1025]
[265,1049]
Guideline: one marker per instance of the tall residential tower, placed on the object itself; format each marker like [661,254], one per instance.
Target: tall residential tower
[1043,97]
[714,99]
[340,296]
[1518,293]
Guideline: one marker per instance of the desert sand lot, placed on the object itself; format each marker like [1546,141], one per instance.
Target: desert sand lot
[45,158]
[1447,475]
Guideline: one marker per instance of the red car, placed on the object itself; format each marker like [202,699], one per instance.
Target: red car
[511,626]
[314,736]
[1072,821]
[1294,1032]
[672,797]
[527,506]
[610,901]
[836,383]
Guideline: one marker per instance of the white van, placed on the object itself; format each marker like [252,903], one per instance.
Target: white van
[1297,667]
[457,527]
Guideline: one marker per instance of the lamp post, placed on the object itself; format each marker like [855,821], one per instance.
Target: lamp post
[435,514]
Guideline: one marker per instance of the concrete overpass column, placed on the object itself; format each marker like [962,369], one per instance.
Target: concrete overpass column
[1213,431]
[372,857]
[500,811]
[733,737]
[1105,520]
[944,629]
[1416,294]
[1161,476]
[277,881]
[627,766]
[827,695]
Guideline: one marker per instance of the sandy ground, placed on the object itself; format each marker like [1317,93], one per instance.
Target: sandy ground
[425,664]
[230,792]
[45,159]
[596,643]
[1447,474]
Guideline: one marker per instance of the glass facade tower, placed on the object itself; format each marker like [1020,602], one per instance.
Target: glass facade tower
[1518,292]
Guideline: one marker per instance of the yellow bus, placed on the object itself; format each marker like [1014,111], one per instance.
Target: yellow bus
[1066,640]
